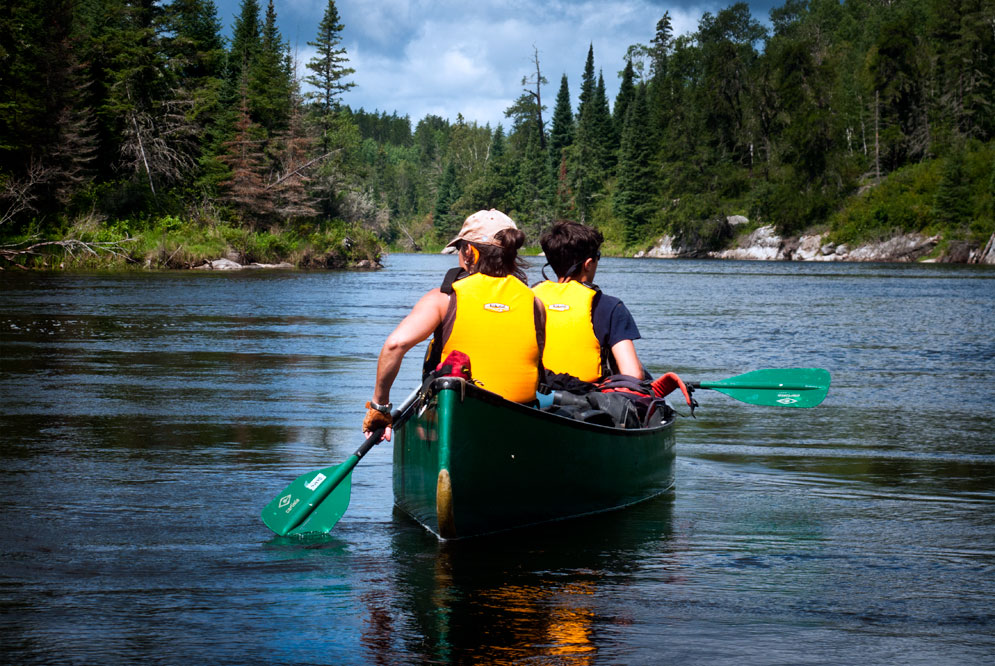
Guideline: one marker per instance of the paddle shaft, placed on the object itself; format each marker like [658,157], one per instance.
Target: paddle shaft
[758,387]
[298,500]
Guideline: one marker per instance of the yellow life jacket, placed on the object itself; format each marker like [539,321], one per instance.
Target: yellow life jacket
[495,325]
[571,345]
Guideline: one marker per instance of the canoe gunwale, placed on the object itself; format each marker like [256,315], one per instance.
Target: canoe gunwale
[486,396]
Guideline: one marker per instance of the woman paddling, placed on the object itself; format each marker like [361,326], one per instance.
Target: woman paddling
[484,309]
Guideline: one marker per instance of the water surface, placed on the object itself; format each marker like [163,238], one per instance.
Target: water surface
[148,417]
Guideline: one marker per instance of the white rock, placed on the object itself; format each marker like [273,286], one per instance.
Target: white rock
[225,265]
[809,248]
[664,249]
[762,244]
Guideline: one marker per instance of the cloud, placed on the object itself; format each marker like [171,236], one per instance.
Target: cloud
[444,57]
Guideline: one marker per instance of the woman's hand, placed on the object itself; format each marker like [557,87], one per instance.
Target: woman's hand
[375,419]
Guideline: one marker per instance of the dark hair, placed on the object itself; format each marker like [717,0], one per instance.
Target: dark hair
[504,260]
[568,245]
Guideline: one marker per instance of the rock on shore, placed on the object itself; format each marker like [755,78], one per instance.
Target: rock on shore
[764,243]
[229,265]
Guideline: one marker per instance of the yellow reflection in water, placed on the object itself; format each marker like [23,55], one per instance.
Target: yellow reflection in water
[552,620]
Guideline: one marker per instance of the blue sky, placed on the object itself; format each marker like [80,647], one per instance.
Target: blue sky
[441,57]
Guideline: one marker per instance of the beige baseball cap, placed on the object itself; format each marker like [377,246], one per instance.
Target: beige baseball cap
[481,226]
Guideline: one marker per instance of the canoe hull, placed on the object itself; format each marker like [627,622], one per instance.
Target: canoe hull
[472,463]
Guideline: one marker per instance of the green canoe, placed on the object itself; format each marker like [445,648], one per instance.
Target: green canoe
[471,463]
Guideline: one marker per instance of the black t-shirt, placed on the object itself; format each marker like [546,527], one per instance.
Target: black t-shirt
[612,321]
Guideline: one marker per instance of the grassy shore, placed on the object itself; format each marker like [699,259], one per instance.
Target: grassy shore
[173,243]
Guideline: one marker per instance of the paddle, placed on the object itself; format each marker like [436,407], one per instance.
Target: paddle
[787,387]
[315,501]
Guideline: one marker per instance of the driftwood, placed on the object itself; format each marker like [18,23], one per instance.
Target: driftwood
[71,247]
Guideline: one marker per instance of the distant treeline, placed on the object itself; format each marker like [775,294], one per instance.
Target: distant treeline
[863,117]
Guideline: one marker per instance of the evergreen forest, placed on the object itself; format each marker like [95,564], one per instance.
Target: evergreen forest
[132,132]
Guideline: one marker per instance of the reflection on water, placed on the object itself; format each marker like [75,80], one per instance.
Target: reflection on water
[507,600]
[146,419]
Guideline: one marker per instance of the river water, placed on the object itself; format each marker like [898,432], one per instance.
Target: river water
[147,418]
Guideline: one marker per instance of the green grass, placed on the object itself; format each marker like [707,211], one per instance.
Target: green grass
[170,242]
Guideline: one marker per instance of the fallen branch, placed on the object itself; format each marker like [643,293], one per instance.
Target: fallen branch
[170,258]
[71,246]
[301,168]
[414,245]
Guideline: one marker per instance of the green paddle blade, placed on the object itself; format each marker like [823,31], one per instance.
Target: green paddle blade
[292,508]
[787,387]
[328,511]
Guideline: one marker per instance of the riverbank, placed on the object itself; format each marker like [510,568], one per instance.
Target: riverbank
[171,243]
[764,243]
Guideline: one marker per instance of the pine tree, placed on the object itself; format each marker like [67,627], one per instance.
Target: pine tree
[561,134]
[952,203]
[329,67]
[533,188]
[246,187]
[626,90]
[294,149]
[604,129]
[661,45]
[633,199]
[246,41]
[270,78]
[658,94]
[48,136]
[587,82]
[193,44]
[446,223]
[585,177]
[497,148]
[195,58]
[587,160]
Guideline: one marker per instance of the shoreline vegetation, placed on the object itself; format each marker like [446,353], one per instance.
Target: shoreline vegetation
[135,136]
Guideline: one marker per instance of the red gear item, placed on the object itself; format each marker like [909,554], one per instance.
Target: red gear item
[456,364]
[664,386]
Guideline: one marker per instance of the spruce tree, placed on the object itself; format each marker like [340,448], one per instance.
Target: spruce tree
[193,43]
[195,56]
[532,188]
[587,82]
[658,97]
[246,187]
[329,67]
[562,132]
[626,90]
[445,222]
[604,129]
[952,202]
[246,40]
[270,78]
[633,199]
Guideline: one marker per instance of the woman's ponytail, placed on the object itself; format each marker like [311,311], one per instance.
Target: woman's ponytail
[499,261]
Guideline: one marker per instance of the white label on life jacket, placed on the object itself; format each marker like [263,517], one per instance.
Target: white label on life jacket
[496,307]
[315,482]
[559,307]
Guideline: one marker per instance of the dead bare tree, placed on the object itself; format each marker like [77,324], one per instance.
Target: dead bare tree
[163,144]
[538,80]
[18,195]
